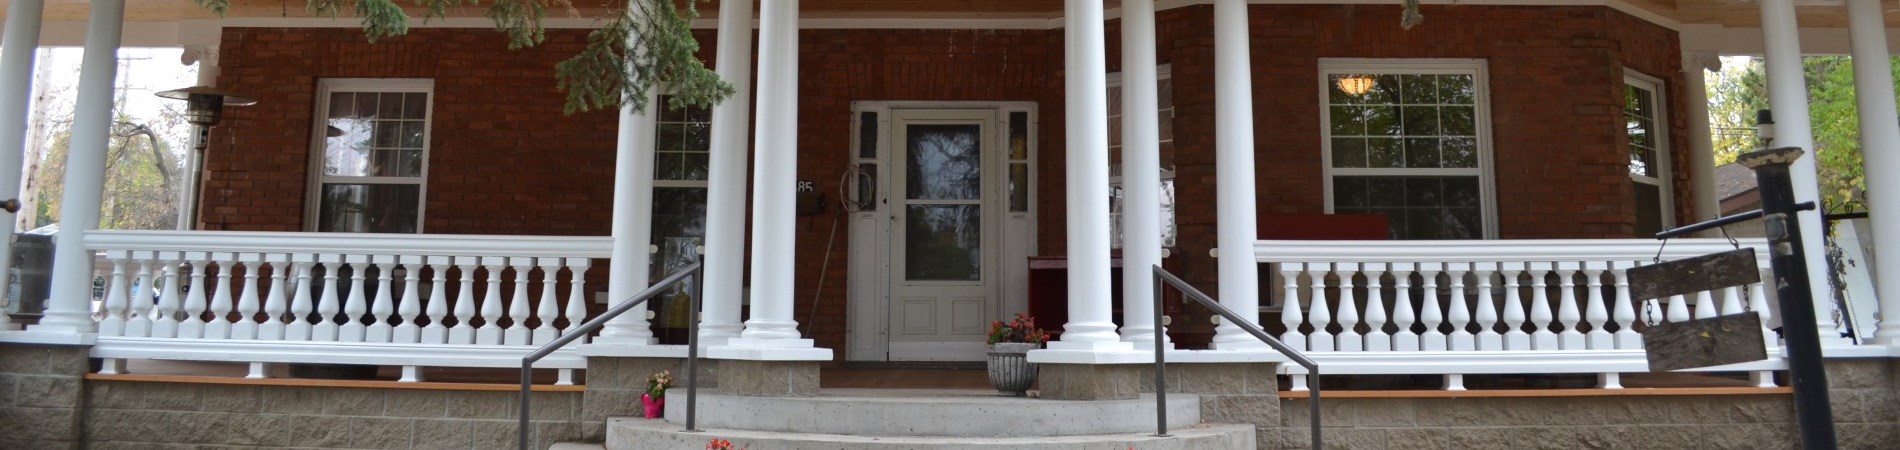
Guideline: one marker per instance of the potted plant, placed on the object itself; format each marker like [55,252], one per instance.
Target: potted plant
[1010,370]
[653,402]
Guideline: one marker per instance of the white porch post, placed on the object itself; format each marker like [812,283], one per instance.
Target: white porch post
[1701,145]
[206,57]
[1234,175]
[17,50]
[773,224]
[1879,142]
[1091,325]
[633,222]
[725,187]
[1141,173]
[67,310]
[1788,98]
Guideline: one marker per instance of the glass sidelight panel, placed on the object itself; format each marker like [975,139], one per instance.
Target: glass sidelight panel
[943,242]
[944,162]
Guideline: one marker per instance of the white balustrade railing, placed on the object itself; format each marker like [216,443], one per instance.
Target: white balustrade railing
[382,299]
[1498,306]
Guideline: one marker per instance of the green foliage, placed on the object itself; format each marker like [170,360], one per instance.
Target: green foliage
[1736,93]
[606,73]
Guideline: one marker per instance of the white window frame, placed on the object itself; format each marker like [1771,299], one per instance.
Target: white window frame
[658,182]
[319,131]
[1658,103]
[1481,114]
[1163,72]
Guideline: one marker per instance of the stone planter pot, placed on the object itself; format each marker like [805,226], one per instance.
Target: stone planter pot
[1010,370]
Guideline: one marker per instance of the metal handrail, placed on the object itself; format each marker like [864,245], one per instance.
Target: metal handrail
[1163,278]
[692,344]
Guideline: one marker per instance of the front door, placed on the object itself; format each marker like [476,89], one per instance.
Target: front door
[945,230]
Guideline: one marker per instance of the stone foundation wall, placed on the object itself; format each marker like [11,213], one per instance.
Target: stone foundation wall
[165,415]
[1863,395]
[40,392]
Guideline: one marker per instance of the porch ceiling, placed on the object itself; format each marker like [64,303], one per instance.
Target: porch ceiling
[1730,13]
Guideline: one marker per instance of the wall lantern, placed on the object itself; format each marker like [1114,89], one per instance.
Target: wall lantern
[1356,85]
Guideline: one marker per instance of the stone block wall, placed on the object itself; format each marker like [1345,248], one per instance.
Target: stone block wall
[40,392]
[614,386]
[164,415]
[1246,393]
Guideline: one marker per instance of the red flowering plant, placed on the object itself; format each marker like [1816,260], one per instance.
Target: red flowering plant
[1022,329]
[721,444]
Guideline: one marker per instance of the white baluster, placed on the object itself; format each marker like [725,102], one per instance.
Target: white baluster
[1488,338]
[1459,314]
[517,331]
[1433,339]
[1318,312]
[490,332]
[1758,302]
[165,325]
[221,303]
[1404,339]
[1596,312]
[407,332]
[1678,309]
[301,305]
[384,304]
[139,319]
[1732,300]
[549,309]
[115,304]
[328,305]
[1377,340]
[1568,312]
[1625,314]
[1705,305]
[1349,338]
[1541,337]
[276,305]
[248,304]
[464,332]
[577,295]
[438,308]
[1290,314]
[357,303]
[1514,337]
[193,325]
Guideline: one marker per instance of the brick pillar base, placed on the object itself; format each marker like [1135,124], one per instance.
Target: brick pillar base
[1091,381]
[42,409]
[768,378]
[614,385]
[1246,393]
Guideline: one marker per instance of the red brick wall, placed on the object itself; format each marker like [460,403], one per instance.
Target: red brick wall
[1656,51]
[504,160]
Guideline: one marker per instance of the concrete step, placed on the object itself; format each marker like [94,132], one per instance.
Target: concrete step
[932,412]
[642,434]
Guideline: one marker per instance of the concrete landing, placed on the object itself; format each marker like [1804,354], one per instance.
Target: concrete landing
[932,413]
[631,434]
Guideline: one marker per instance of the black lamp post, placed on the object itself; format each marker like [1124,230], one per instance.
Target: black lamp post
[204,108]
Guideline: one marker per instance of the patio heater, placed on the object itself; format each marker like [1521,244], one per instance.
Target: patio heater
[204,106]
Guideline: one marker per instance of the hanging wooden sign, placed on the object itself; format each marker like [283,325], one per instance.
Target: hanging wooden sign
[1686,276]
[1714,341]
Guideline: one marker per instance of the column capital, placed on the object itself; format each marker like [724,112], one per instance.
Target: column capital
[1704,60]
[207,55]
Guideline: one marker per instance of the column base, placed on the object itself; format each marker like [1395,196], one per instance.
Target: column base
[38,335]
[618,340]
[1093,346]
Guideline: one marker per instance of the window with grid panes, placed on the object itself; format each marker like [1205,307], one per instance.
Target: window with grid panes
[372,155]
[681,149]
[1165,108]
[1649,153]
[1411,146]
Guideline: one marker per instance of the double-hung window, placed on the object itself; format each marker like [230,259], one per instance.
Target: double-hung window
[1409,140]
[371,155]
[680,164]
[1165,105]
[1648,143]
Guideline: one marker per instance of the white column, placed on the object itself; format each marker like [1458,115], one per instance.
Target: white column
[67,310]
[725,185]
[17,49]
[206,57]
[1091,325]
[1701,145]
[1879,142]
[1788,98]
[627,273]
[1233,173]
[1141,173]
[773,224]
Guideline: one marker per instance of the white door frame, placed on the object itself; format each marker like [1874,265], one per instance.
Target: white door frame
[871,231]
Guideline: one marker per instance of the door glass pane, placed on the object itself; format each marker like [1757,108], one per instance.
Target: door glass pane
[943,162]
[943,242]
[369,208]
